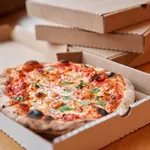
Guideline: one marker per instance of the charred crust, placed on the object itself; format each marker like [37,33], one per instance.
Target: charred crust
[31,62]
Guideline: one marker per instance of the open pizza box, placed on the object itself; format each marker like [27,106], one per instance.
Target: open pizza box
[112,126]
[98,16]
[135,38]
[27,28]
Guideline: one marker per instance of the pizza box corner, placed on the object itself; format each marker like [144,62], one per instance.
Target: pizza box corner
[98,16]
[91,131]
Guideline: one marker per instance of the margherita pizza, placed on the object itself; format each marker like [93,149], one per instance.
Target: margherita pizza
[56,98]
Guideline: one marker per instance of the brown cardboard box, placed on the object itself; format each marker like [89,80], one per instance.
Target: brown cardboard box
[91,131]
[126,58]
[135,38]
[98,16]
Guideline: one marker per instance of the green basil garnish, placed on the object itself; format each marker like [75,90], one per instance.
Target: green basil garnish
[96,90]
[65,82]
[85,102]
[66,97]
[103,104]
[68,90]
[81,84]
[18,98]
[64,108]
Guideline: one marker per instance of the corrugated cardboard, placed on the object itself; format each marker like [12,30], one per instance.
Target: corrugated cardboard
[98,16]
[135,38]
[129,59]
[88,137]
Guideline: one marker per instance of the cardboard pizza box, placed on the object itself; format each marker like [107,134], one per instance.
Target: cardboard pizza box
[135,38]
[27,27]
[112,126]
[126,58]
[98,16]
[19,46]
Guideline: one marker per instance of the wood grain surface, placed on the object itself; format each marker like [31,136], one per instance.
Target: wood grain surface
[139,140]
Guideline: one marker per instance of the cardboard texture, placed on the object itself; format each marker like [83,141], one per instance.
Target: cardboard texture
[129,59]
[131,39]
[5,33]
[98,16]
[26,28]
[91,131]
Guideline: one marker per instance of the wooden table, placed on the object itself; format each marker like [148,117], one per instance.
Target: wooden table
[139,140]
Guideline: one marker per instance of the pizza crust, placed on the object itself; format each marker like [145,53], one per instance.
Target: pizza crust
[55,127]
[128,99]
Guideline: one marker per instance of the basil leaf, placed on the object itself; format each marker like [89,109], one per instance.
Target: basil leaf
[96,90]
[64,108]
[81,84]
[65,82]
[35,85]
[66,97]
[68,90]
[85,102]
[103,104]
[18,98]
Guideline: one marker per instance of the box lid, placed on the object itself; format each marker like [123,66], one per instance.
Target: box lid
[98,16]
[134,38]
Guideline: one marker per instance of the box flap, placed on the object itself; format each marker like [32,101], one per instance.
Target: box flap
[99,16]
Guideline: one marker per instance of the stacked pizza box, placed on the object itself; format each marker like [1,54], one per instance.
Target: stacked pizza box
[98,27]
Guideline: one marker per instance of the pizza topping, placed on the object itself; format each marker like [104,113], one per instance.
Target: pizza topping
[36,114]
[66,98]
[81,85]
[65,82]
[64,108]
[95,90]
[111,74]
[31,65]
[56,104]
[85,102]
[18,98]
[64,61]
[101,103]
[40,95]
[48,118]
[102,111]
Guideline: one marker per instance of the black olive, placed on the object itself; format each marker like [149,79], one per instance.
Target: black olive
[98,76]
[64,61]
[110,74]
[48,118]
[3,106]
[36,114]
[102,111]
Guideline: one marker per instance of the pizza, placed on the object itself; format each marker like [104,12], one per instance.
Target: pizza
[56,98]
